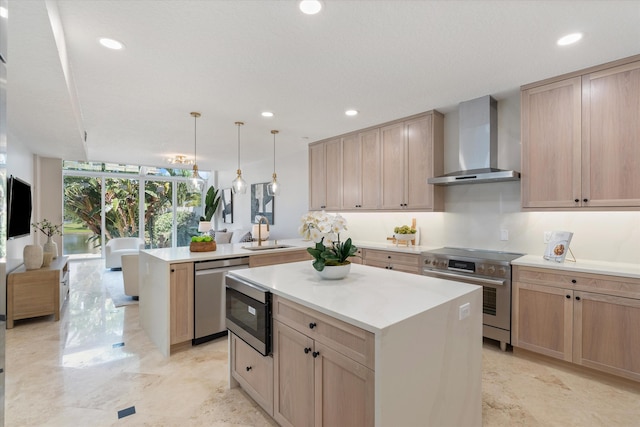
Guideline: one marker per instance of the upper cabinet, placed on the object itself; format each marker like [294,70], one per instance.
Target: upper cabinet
[382,168]
[581,139]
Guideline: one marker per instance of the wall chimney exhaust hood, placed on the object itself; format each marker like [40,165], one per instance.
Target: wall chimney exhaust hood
[478,152]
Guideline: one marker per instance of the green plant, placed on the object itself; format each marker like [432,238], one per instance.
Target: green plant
[211,202]
[196,239]
[405,229]
[318,225]
[47,227]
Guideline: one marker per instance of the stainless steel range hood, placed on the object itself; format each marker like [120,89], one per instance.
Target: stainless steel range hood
[478,152]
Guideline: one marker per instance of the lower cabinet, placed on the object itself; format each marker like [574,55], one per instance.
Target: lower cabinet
[392,260]
[279,258]
[317,382]
[253,371]
[587,319]
[181,303]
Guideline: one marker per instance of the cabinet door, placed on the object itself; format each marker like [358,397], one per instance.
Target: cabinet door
[293,400]
[392,140]
[344,390]
[418,193]
[611,137]
[542,319]
[333,172]
[351,172]
[551,144]
[606,333]
[181,302]
[370,169]
[317,183]
[254,372]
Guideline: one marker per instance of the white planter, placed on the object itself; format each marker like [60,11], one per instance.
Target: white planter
[32,256]
[51,247]
[404,237]
[335,272]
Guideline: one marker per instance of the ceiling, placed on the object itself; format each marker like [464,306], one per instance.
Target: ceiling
[231,60]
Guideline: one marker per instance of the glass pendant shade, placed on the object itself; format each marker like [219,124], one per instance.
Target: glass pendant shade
[197,182]
[239,185]
[273,189]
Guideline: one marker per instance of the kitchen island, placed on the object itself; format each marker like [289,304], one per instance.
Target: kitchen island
[425,335]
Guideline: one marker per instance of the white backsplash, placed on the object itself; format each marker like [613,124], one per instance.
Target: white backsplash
[475,215]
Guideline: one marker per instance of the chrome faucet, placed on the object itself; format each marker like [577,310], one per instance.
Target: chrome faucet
[260,228]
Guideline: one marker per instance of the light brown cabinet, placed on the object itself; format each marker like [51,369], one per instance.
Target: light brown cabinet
[253,371]
[587,319]
[361,172]
[391,260]
[279,258]
[580,138]
[181,316]
[380,168]
[325,177]
[323,369]
[41,292]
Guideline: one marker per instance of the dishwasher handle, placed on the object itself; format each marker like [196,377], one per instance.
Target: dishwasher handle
[222,263]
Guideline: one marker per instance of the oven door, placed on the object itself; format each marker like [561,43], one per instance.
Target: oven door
[249,318]
[496,298]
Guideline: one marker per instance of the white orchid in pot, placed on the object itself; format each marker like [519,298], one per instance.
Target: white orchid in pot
[325,229]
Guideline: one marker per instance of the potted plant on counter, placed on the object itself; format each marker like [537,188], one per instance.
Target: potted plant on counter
[49,229]
[330,256]
[211,202]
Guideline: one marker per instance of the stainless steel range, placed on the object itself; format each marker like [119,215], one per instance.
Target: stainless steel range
[489,269]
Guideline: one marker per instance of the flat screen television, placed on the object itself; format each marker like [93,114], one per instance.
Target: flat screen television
[18,208]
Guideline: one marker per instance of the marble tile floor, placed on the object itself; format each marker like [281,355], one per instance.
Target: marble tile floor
[97,361]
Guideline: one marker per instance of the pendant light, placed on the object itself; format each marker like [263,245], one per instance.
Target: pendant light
[197,182]
[239,185]
[273,189]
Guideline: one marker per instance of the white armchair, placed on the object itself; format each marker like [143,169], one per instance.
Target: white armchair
[130,275]
[121,246]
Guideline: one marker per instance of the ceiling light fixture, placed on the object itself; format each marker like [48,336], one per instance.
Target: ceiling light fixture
[239,186]
[111,43]
[569,39]
[310,7]
[197,182]
[4,12]
[351,112]
[180,159]
[273,189]
[267,114]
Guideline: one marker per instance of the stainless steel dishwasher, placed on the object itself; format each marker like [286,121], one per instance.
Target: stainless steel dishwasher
[209,298]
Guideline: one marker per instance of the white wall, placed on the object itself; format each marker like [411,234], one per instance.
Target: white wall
[293,175]
[19,164]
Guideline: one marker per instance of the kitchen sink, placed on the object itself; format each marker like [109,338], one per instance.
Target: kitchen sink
[265,247]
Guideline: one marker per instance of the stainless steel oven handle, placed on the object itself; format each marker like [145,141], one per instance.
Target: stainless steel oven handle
[479,280]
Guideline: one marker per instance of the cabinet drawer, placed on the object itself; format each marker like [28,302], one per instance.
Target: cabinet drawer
[390,257]
[278,258]
[597,283]
[352,341]
[253,371]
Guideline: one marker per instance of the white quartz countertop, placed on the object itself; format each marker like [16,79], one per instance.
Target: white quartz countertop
[388,246]
[582,265]
[369,297]
[226,250]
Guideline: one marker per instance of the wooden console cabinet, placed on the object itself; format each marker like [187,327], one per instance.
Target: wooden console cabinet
[42,292]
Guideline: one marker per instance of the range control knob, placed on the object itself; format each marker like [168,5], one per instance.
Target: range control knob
[481,268]
[502,271]
[491,269]
[427,261]
[443,264]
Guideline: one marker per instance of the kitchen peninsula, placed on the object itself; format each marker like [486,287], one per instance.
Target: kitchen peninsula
[379,347]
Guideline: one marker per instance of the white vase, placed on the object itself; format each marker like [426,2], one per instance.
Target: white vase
[335,272]
[51,247]
[32,255]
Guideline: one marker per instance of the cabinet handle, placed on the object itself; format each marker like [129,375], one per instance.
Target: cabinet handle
[312,325]
[574,281]
[248,368]
[389,256]
[568,296]
[585,200]
[577,298]
[577,200]
[307,350]
[173,270]
[315,354]
[391,267]
[323,207]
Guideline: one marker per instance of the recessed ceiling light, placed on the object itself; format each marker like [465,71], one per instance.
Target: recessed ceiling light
[111,43]
[4,13]
[351,112]
[267,114]
[310,7]
[569,39]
